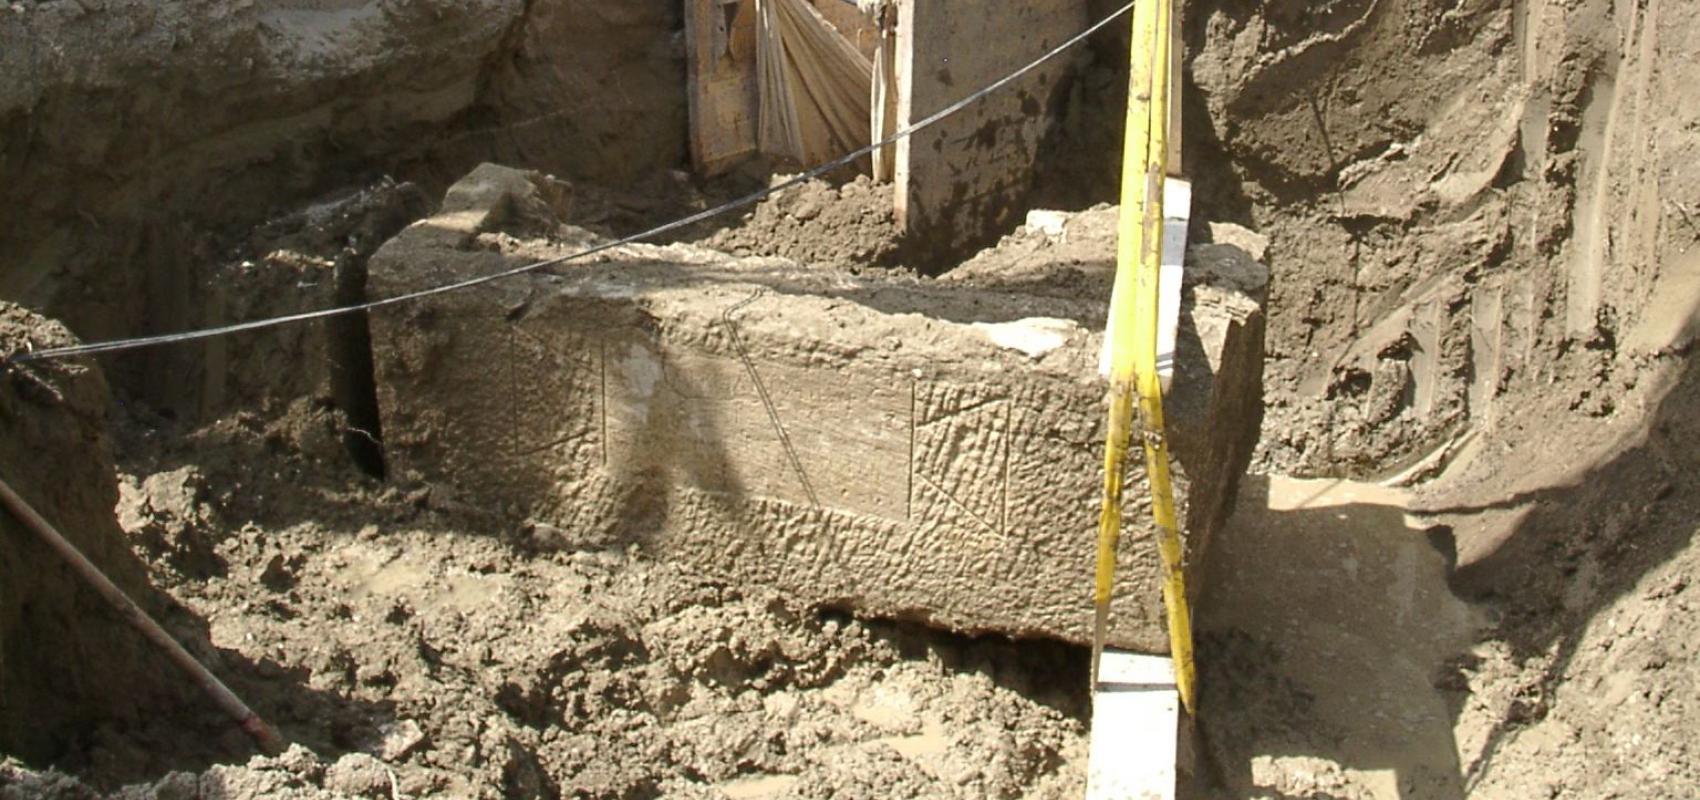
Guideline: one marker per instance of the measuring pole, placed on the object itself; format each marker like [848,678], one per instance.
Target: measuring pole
[1132,344]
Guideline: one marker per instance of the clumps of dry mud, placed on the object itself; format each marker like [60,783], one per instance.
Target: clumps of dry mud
[412,646]
[309,259]
[851,226]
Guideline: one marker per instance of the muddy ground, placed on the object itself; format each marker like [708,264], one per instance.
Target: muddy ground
[417,646]
[1481,218]
[1496,630]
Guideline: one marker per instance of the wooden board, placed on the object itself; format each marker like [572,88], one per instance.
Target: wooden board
[965,181]
[720,72]
[1175,166]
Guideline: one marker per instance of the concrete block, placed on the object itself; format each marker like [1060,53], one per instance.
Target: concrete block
[961,182]
[902,448]
[1135,722]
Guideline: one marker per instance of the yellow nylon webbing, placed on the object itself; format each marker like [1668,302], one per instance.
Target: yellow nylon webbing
[1133,342]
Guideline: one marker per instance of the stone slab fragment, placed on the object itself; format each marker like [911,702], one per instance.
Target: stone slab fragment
[887,445]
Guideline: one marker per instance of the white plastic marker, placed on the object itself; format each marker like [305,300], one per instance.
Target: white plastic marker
[1135,714]
[1177,215]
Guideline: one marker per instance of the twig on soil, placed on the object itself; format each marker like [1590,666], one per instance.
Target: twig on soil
[366,434]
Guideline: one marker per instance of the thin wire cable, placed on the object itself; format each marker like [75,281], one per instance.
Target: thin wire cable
[767,399]
[117,345]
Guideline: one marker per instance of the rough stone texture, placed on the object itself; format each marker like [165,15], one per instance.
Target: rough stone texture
[854,442]
[961,182]
[66,661]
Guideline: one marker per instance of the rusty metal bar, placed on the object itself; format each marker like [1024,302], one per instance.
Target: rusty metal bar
[227,700]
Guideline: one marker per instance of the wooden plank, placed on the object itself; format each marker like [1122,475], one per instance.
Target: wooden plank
[720,71]
[883,109]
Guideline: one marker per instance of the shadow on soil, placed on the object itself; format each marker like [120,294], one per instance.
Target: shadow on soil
[1326,618]
[1337,630]
[1047,671]
[195,734]
[1557,555]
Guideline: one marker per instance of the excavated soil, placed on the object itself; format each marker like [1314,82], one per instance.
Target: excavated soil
[1466,569]
[849,225]
[418,647]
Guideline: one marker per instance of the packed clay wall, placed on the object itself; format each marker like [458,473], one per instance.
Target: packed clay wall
[139,137]
[1465,202]
[67,662]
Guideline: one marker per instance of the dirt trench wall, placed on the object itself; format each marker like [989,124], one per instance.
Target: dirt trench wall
[67,663]
[906,449]
[1467,202]
[137,135]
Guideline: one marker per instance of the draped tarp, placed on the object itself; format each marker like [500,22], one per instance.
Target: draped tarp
[816,86]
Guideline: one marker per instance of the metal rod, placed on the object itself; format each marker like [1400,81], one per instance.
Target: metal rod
[227,700]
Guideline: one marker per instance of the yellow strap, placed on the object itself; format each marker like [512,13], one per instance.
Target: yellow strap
[1133,341]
